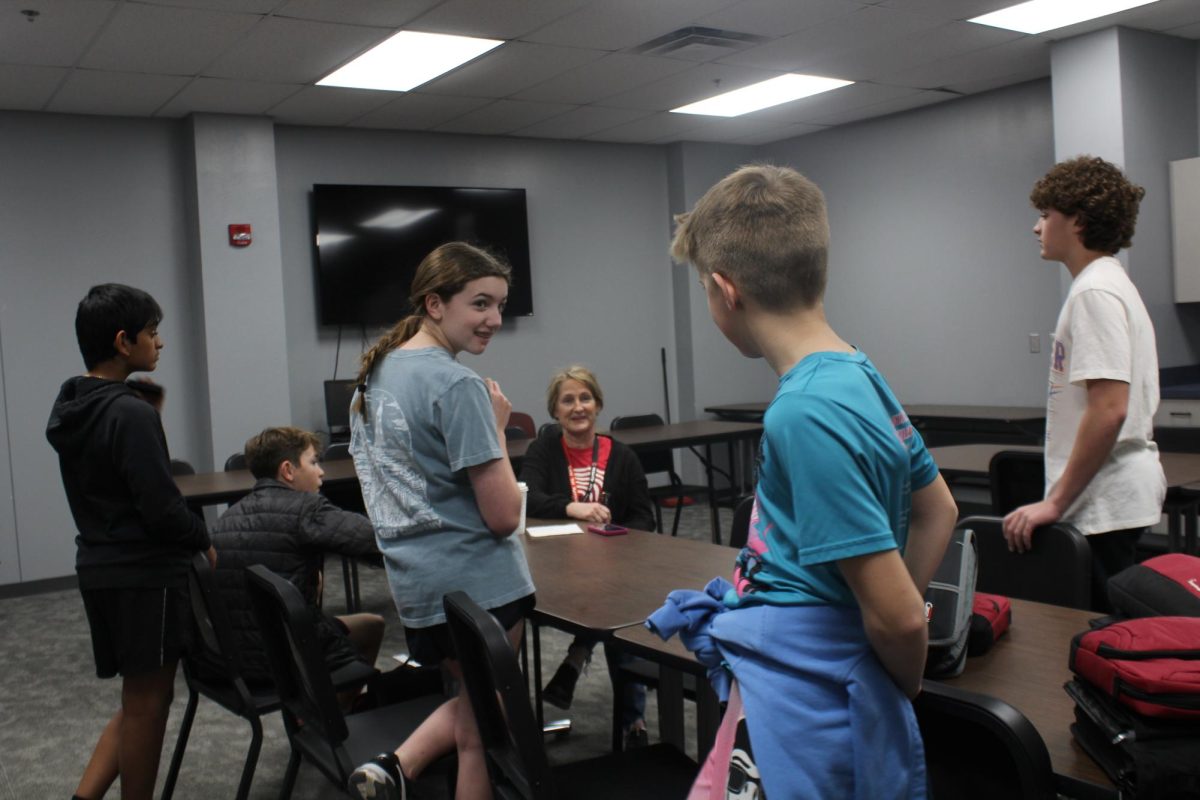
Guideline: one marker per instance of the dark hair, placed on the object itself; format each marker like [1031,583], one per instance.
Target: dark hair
[443,272]
[764,227]
[107,310]
[267,450]
[1098,194]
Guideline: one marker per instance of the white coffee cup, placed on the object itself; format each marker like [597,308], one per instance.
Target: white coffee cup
[524,502]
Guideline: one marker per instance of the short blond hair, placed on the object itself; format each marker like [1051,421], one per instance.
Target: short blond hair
[575,372]
[267,450]
[765,228]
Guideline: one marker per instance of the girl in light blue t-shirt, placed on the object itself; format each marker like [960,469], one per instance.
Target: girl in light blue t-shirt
[427,437]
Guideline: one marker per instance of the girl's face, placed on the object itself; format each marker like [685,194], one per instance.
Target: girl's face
[576,408]
[471,317]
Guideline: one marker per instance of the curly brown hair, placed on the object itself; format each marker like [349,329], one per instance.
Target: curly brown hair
[1105,201]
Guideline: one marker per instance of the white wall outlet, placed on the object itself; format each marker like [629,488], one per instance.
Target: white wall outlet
[1035,343]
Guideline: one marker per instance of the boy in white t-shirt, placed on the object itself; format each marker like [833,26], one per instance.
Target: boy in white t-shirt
[1103,474]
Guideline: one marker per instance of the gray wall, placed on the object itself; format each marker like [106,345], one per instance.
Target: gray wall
[84,200]
[597,229]
[934,269]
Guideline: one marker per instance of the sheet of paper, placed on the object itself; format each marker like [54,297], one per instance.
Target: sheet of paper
[553,530]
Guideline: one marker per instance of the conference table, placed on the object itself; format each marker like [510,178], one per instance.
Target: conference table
[607,586]
[225,487]
[1182,472]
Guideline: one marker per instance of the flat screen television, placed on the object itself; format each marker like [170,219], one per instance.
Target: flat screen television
[370,239]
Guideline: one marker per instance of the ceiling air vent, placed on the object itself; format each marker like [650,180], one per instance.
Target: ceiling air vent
[698,44]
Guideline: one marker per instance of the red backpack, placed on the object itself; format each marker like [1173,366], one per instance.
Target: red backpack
[1150,665]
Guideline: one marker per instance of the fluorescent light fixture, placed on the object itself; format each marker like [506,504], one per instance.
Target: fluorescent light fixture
[768,93]
[1038,16]
[408,60]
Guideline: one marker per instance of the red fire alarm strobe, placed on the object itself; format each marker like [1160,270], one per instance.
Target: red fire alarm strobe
[239,235]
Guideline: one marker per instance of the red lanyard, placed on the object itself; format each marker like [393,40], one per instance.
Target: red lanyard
[587,494]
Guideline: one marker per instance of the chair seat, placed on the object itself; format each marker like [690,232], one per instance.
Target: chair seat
[657,492]
[658,772]
[381,729]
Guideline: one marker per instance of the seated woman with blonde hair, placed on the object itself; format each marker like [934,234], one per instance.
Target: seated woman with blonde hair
[573,472]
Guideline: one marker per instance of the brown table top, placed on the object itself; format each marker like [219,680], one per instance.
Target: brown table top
[599,583]
[1182,470]
[1027,669]
[927,410]
[682,434]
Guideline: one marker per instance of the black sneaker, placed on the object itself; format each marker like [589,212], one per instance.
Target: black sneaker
[637,737]
[560,691]
[379,779]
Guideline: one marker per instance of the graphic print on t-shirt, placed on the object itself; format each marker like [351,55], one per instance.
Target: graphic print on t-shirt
[401,503]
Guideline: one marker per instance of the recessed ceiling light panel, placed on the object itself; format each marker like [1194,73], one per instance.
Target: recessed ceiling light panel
[408,60]
[1038,16]
[772,92]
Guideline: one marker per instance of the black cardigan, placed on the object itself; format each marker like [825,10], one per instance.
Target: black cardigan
[544,470]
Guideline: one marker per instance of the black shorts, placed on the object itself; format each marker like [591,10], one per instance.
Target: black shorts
[136,631]
[433,645]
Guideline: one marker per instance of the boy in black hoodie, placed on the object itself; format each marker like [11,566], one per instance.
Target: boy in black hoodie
[136,534]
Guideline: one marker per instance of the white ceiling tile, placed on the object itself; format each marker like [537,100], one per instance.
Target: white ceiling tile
[1162,16]
[647,129]
[294,51]
[811,109]
[698,83]
[775,18]
[619,24]
[494,19]
[503,116]
[997,81]
[892,106]
[510,68]
[581,121]
[779,134]
[380,13]
[870,26]
[418,111]
[1028,56]
[57,37]
[726,129]
[949,9]
[1186,31]
[608,76]
[224,96]
[28,88]
[114,93]
[243,6]
[328,105]
[171,41]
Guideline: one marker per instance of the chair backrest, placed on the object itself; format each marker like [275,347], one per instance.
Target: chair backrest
[338,451]
[1057,569]
[549,429]
[1017,478]
[235,461]
[740,529]
[181,467]
[512,739]
[515,433]
[519,419]
[301,675]
[979,747]
[214,655]
[652,460]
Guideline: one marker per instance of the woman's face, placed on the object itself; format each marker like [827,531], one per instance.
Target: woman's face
[576,408]
[471,317]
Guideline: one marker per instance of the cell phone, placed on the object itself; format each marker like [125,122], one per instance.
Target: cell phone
[608,530]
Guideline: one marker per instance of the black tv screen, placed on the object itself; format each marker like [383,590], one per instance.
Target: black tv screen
[370,240]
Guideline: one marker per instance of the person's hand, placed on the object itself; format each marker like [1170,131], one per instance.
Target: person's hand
[1020,524]
[589,512]
[500,404]
[212,557]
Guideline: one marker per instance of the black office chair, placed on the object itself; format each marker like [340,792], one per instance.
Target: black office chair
[549,429]
[181,467]
[213,669]
[661,462]
[315,725]
[979,747]
[235,461]
[521,420]
[1017,478]
[512,740]
[515,433]
[739,531]
[1057,570]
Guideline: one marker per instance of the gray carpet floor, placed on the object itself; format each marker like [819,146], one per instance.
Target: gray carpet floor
[52,706]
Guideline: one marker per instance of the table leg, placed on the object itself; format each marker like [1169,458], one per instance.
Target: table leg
[537,674]
[670,706]
[1190,525]
[708,717]
[714,516]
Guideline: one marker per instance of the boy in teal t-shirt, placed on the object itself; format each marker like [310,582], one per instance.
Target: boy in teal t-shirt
[826,632]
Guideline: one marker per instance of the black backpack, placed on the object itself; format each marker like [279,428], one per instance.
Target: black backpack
[949,603]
